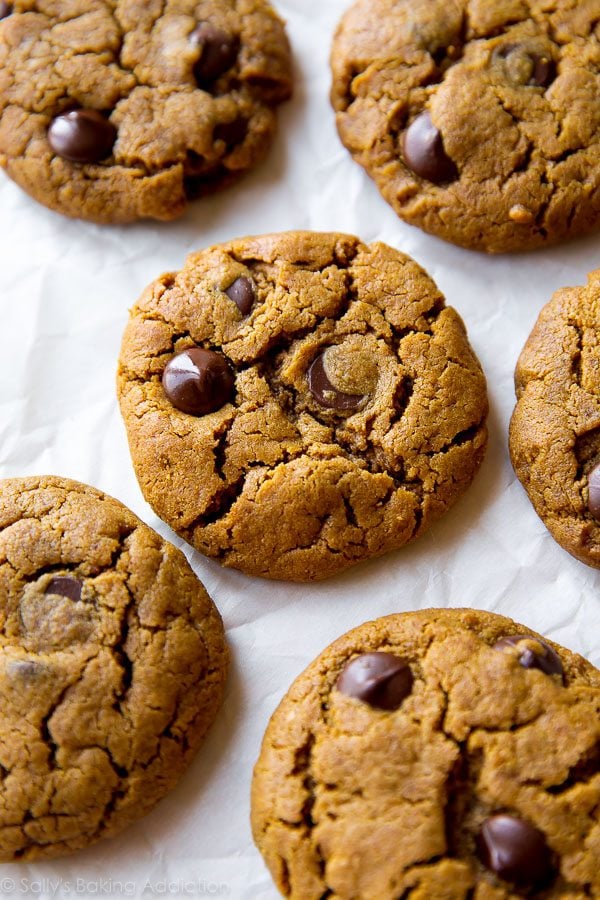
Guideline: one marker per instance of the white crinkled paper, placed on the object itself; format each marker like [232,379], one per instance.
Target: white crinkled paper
[65,290]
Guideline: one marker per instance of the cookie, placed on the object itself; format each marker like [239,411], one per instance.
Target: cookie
[436,754]
[113,112]
[112,667]
[478,120]
[298,402]
[555,429]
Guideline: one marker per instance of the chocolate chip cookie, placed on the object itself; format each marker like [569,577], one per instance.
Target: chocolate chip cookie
[438,754]
[555,428]
[298,402]
[119,111]
[478,120]
[112,667]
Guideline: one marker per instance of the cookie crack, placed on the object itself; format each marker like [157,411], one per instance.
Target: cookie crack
[167,733]
[223,500]
[119,791]
[123,660]
[576,362]
[303,767]
[460,439]
[44,726]
[402,398]
[585,771]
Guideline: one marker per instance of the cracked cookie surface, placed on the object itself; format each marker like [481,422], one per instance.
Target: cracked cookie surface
[555,429]
[354,801]
[178,99]
[112,667]
[477,119]
[353,415]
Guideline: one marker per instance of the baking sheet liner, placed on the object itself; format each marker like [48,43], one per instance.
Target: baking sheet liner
[65,288]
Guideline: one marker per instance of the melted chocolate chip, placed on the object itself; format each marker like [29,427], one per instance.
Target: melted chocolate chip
[594,492]
[82,136]
[527,68]
[24,669]
[65,586]
[232,133]
[5,9]
[218,52]
[543,657]
[198,381]
[242,293]
[505,51]
[325,392]
[382,680]
[515,851]
[424,151]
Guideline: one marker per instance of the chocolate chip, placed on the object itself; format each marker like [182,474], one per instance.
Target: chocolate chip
[198,381]
[527,68]
[65,586]
[380,679]
[424,152]
[218,52]
[594,492]
[505,51]
[242,293]
[325,392]
[82,136]
[542,657]
[515,851]
[5,9]
[232,133]
[544,71]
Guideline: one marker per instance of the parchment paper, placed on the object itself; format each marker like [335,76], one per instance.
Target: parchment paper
[65,288]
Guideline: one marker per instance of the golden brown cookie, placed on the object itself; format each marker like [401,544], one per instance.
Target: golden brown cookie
[555,428]
[477,119]
[435,755]
[112,667]
[298,402]
[119,111]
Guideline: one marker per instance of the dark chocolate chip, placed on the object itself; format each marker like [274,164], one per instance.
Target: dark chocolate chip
[543,658]
[5,9]
[382,680]
[242,293]
[233,133]
[198,381]
[65,586]
[544,71]
[424,152]
[218,52]
[82,136]
[594,492]
[515,851]
[325,392]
